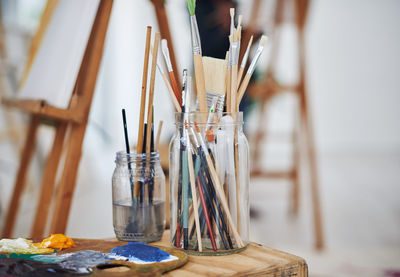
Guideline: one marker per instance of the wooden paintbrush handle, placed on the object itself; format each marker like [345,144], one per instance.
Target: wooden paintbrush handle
[228,91]
[139,148]
[240,75]
[234,88]
[175,87]
[151,91]
[172,94]
[200,82]
[243,87]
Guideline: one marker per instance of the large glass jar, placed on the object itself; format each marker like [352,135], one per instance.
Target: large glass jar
[209,183]
[138,193]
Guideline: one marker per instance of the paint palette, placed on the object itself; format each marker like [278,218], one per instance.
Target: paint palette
[100,265]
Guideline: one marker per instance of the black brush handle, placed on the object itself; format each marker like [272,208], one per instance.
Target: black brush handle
[215,198]
[211,207]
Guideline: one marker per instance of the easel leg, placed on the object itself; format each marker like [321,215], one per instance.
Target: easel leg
[49,176]
[67,184]
[310,147]
[296,168]
[26,158]
[319,240]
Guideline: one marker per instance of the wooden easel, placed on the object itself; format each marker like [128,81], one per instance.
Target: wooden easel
[70,125]
[269,87]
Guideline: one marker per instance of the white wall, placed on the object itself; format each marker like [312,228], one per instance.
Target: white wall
[354,70]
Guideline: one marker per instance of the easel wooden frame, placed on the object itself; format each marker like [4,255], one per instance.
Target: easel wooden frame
[74,119]
[268,88]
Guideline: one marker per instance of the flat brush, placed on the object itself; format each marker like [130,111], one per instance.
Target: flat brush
[251,69]
[214,76]
[174,84]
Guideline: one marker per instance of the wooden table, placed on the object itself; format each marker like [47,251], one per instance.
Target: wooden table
[256,260]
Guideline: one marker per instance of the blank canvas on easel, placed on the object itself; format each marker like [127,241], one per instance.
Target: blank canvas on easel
[56,66]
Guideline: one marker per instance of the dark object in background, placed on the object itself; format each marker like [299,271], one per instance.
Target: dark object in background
[213,19]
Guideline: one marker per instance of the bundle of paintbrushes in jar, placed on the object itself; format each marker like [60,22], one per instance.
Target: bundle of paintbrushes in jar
[138,183]
[209,153]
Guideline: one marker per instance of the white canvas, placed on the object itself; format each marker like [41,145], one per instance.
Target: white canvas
[55,68]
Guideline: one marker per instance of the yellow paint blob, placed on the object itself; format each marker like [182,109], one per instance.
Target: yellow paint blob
[57,241]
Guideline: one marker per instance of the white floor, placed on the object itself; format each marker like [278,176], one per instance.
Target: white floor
[361,215]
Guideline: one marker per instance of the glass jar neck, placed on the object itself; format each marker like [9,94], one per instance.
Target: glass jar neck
[206,121]
[123,158]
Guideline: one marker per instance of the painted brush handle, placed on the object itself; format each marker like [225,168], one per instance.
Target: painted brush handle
[185,198]
[203,203]
[218,214]
[221,195]
[200,82]
[194,198]
[175,88]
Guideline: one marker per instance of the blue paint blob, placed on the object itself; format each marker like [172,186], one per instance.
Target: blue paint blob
[141,251]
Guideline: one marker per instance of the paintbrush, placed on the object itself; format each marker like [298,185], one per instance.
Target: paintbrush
[251,69]
[179,212]
[197,58]
[174,84]
[218,188]
[234,58]
[202,193]
[166,81]
[209,190]
[244,61]
[139,148]
[151,90]
[128,151]
[193,186]
[214,76]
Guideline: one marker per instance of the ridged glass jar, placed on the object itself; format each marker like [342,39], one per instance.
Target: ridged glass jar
[138,195]
[209,184]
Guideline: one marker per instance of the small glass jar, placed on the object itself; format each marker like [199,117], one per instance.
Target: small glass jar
[209,184]
[138,194]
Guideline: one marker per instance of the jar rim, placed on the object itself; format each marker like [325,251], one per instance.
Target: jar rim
[137,157]
[201,118]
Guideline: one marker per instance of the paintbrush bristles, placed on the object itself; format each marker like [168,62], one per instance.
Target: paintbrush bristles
[263,40]
[191,5]
[214,75]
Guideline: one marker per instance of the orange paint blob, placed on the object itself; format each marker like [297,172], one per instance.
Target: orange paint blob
[57,241]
